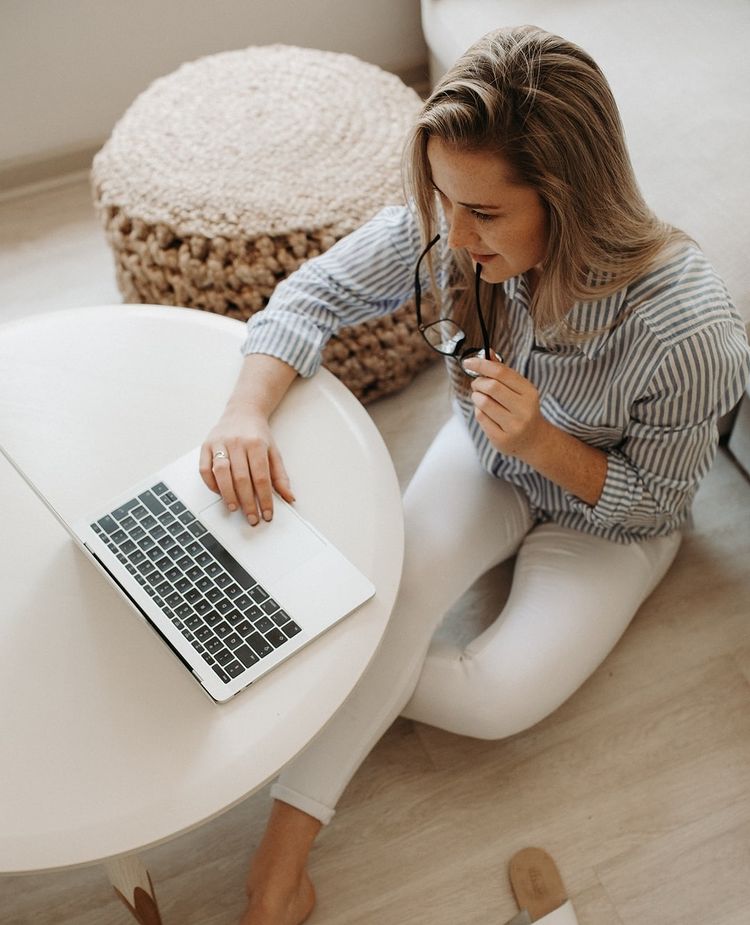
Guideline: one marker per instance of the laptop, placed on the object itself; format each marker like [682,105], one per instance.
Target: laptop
[230,601]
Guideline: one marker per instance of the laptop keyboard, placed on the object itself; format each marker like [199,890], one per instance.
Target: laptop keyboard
[222,611]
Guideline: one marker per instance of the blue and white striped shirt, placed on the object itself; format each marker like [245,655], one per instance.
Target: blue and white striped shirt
[648,392]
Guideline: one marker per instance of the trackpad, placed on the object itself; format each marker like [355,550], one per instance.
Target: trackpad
[269,550]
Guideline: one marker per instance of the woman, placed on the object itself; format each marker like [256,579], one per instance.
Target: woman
[591,350]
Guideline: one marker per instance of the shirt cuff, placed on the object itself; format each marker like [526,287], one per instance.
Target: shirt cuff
[294,339]
[621,493]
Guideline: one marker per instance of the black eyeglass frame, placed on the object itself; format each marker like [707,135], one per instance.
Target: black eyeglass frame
[458,353]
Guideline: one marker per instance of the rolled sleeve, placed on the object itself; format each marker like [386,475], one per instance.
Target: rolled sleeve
[652,476]
[365,275]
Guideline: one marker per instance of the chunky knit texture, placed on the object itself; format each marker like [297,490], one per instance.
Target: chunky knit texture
[226,175]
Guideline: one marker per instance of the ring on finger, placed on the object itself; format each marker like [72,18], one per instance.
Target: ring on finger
[220,454]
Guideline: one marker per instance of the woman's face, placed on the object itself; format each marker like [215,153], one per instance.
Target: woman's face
[501,224]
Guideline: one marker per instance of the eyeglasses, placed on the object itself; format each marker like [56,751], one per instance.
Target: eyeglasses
[444,335]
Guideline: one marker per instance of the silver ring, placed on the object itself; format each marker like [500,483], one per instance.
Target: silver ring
[220,454]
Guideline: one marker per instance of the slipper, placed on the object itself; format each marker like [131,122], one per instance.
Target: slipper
[538,889]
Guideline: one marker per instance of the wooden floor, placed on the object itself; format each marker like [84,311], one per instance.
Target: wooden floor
[639,785]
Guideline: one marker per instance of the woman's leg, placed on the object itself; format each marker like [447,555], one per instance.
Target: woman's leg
[459,523]
[573,596]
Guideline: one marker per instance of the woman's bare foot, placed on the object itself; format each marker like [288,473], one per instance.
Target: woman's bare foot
[279,888]
[276,907]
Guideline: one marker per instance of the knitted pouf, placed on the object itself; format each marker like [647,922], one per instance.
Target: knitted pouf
[226,175]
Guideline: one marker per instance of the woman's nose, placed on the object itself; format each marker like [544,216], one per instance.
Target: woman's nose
[461,232]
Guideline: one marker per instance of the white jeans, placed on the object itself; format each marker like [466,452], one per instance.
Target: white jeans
[572,597]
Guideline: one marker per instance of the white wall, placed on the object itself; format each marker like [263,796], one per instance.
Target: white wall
[70,68]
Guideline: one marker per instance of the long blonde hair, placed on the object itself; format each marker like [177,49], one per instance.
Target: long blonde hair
[544,106]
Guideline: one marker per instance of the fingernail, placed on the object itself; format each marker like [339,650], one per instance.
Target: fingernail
[253,519]
[267,515]
[232,507]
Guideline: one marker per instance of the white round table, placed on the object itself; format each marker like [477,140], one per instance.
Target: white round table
[108,745]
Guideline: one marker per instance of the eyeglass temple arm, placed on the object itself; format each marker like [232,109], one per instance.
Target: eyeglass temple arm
[417,285]
[483,326]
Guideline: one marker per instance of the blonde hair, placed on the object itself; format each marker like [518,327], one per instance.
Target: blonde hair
[544,106]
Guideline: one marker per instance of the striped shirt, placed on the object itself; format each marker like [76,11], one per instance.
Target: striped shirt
[648,392]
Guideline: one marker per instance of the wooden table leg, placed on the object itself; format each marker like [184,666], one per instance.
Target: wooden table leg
[132,883]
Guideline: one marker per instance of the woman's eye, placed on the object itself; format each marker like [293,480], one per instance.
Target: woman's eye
[482,216]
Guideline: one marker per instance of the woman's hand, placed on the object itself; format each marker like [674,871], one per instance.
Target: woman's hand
[506,405]
[507,408]
[252,466]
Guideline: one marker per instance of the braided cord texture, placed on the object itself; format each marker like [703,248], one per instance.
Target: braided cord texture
[223,177]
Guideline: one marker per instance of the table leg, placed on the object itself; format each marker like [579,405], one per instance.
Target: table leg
[132,883]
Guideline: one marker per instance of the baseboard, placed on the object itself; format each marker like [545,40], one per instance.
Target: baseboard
[27,175]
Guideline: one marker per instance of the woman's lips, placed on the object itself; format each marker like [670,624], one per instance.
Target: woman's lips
[481,258]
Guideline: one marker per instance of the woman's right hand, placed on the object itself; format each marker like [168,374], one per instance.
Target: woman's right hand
[251,468]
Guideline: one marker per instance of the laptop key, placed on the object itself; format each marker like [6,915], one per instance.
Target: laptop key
[159,489]
[150,500]
[222,675]
[234,668]
[280,617]
[233,617]
[222,629]
[107,524]
[214,645]
[223,656]
[264,625]
[259,644]
[258,594]
[268,607]
[233,640]
[276,638]
[246,655]
[121,512]
[291,629]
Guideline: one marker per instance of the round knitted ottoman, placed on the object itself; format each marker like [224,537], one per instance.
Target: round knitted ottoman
[224,176]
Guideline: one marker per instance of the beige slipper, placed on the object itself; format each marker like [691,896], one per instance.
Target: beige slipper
[538,889]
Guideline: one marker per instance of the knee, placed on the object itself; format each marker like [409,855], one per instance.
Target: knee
[505,705]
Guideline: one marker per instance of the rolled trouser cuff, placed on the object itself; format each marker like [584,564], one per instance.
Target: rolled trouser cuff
[301,801]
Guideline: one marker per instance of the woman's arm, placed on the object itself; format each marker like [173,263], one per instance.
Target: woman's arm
[253,467]
[668,445]
[506,406]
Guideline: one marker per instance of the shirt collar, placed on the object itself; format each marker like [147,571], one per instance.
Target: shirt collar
[590,315]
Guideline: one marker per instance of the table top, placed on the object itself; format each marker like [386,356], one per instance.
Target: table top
[108,746]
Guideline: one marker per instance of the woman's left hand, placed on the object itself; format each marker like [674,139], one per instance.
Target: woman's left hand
[506,405]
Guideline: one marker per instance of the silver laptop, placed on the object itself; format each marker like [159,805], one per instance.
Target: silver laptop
[230,600]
